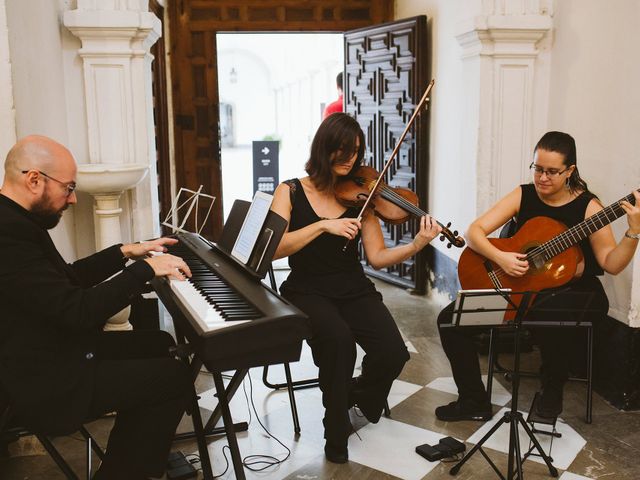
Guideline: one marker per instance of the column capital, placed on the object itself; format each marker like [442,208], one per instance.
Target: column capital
[112,30]
[506,85]
[496,35]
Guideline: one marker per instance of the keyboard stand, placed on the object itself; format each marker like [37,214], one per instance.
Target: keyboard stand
[200,432]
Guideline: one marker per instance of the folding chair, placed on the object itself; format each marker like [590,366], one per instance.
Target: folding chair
[9,432]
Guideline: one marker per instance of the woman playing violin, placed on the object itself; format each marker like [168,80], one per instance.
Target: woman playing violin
[559,193]
[328,283]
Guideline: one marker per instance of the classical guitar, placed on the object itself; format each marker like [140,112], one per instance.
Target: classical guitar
[552,252]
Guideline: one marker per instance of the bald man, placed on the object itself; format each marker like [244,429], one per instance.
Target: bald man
[56,364]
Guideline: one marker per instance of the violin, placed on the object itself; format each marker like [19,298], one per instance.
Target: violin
[369,184]
[394,205]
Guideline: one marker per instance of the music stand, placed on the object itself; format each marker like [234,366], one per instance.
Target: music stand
[463,316]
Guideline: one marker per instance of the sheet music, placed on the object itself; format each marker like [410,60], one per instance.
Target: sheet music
[481,309]
[252,226]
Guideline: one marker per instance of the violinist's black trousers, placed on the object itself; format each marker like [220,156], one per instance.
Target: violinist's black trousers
[337,325]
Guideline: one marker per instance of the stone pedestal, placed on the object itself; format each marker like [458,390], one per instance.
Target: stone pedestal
[107,183]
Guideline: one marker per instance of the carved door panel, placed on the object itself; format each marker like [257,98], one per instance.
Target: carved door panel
[193,26]
[385,77]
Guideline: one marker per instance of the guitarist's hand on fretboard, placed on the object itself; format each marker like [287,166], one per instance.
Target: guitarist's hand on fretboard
[633,213]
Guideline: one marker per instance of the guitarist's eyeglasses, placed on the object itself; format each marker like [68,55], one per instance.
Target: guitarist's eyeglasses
[550,173]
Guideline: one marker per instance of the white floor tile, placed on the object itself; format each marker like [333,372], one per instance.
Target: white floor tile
[565,449]
[389,446]
[573,476]
[400,391]
[257,442]
[265,399]
[499,395]
[410,347]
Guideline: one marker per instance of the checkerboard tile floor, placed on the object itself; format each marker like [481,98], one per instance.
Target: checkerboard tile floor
[386,447]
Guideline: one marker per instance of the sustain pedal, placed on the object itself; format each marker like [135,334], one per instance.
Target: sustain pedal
[178,467]
[447,447]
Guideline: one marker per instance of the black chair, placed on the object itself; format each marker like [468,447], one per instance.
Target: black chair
[11,430]
[291,385]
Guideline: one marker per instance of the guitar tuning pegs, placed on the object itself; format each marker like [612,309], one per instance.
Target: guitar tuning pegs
[448,245]
[455,233]
[448,225]
[442,238]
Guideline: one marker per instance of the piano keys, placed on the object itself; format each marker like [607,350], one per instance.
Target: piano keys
[231,319]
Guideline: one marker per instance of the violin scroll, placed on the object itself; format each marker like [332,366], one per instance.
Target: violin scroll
[452,237]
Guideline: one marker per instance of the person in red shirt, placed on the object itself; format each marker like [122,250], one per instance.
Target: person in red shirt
[336,106]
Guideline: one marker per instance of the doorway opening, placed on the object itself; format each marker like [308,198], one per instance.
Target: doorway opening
[273,87]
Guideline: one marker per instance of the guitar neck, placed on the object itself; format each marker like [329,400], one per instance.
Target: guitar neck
[583,229]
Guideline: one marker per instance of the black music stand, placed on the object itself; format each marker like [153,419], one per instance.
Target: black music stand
[462,317]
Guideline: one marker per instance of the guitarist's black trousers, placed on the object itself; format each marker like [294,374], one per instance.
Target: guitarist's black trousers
[556,344]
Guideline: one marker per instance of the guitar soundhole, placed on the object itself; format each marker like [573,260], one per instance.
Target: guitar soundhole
[537,262]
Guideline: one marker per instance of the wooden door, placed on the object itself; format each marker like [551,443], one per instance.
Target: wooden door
[193,26]
[161,117]
[385,77]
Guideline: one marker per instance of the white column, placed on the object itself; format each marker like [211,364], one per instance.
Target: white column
[506,88]
[116,36]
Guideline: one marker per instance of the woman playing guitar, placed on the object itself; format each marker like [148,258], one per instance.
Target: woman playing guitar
[557,192]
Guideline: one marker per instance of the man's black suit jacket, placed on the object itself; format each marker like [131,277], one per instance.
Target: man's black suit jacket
[51,314]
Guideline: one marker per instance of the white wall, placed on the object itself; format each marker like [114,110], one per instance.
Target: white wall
[452,174]
[595,96]
[39,93]
[7,111]
[592,65]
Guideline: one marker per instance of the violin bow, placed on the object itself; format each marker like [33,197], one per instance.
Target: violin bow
[416,112]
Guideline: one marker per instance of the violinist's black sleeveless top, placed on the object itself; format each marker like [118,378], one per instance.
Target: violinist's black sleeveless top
[321,267]
[570,214]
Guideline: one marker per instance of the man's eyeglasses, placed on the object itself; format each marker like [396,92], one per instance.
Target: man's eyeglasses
[549,172]
[69,186]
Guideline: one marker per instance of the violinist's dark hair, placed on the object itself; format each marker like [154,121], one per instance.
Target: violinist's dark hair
[564,144]
[336,134]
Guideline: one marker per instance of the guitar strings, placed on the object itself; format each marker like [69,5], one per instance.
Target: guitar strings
[405,204]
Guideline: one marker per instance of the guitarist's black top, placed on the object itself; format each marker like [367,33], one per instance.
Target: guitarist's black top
[322,267]
[570,214]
